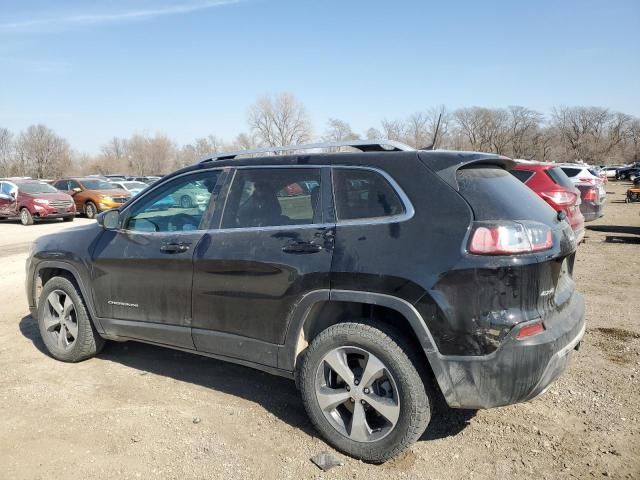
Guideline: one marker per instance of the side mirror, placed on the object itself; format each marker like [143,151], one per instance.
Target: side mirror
[109,220]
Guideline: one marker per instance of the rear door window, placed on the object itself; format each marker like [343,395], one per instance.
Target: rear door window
[266,197]
[362,194]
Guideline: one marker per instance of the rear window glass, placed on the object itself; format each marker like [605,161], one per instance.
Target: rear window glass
[571,172]
[522,175]
[364,194]
[559,177]
[495,194]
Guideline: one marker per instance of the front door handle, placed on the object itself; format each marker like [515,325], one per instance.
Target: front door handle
[301,247]
[175,247]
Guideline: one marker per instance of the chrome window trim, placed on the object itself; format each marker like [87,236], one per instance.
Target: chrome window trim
[404,199]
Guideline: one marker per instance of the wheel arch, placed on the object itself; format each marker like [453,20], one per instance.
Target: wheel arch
[48,269]
[323,308]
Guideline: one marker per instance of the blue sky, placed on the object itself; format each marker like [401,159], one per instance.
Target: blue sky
[93,70]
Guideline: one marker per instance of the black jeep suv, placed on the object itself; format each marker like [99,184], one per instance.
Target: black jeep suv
[380,280]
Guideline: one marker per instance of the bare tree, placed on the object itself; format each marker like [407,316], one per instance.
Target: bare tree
[589,133]
[524,125]
[339,131]
[280,120]
[42,153]
[6,152]
[393,129]
[373,134]
[416,130]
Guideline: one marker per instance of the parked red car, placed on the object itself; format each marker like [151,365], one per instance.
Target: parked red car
[32,199]
[554,187]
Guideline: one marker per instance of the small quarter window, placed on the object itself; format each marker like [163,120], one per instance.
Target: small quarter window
[361,193]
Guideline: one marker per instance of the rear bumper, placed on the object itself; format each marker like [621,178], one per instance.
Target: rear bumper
[517,371]
[591,211]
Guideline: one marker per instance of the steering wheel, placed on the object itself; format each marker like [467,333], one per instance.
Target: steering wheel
[181,220]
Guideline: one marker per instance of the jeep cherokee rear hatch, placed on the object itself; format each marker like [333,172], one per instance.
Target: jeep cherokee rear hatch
[516,313]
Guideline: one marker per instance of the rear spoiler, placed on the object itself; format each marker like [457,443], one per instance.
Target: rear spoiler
[446,164]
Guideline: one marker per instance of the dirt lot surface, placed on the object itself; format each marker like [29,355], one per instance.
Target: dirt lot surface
[138,411]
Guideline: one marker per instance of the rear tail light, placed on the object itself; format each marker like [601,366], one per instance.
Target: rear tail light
[530,330]
[509,238]
[590,195]
[560,197]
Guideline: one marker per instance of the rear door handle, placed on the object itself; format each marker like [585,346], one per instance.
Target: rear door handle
[175,247]
[301,247]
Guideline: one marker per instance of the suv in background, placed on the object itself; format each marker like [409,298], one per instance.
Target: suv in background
[592,190]
[92,195]
[555,188]
[399,277]
[34,200]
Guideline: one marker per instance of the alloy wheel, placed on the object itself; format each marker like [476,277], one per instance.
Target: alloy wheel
[24,216]
[357,394]
[90,211]
[60,319]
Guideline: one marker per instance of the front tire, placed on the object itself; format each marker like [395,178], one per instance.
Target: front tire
[25,216]
[362,391]
[65,326]
[69,219]
[90,210]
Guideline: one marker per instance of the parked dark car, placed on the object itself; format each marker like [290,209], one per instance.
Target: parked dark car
[555,188]
[628,173]
[31,200]
[402,276]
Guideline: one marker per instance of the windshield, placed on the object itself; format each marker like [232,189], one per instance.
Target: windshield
[37,187]
[97,185]
[134,185]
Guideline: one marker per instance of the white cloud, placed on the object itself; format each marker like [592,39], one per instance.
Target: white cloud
[79,20]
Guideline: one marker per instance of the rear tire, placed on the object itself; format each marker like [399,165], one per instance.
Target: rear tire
[350,418]
[90,210]
[25,217]
[65,326]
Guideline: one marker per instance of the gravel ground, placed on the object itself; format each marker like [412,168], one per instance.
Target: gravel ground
[138,411]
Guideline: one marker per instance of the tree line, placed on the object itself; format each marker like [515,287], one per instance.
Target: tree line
[592,134]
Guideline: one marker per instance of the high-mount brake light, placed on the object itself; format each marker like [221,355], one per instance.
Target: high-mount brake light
[509,238]
[560,198]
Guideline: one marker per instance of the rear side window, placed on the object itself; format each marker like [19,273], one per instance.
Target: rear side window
[559,177]
[62,185]
[265,197]
[522,175]
[495,194]
[571,172]
[363,193]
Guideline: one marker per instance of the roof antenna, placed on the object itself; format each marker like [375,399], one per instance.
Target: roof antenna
[435,135]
